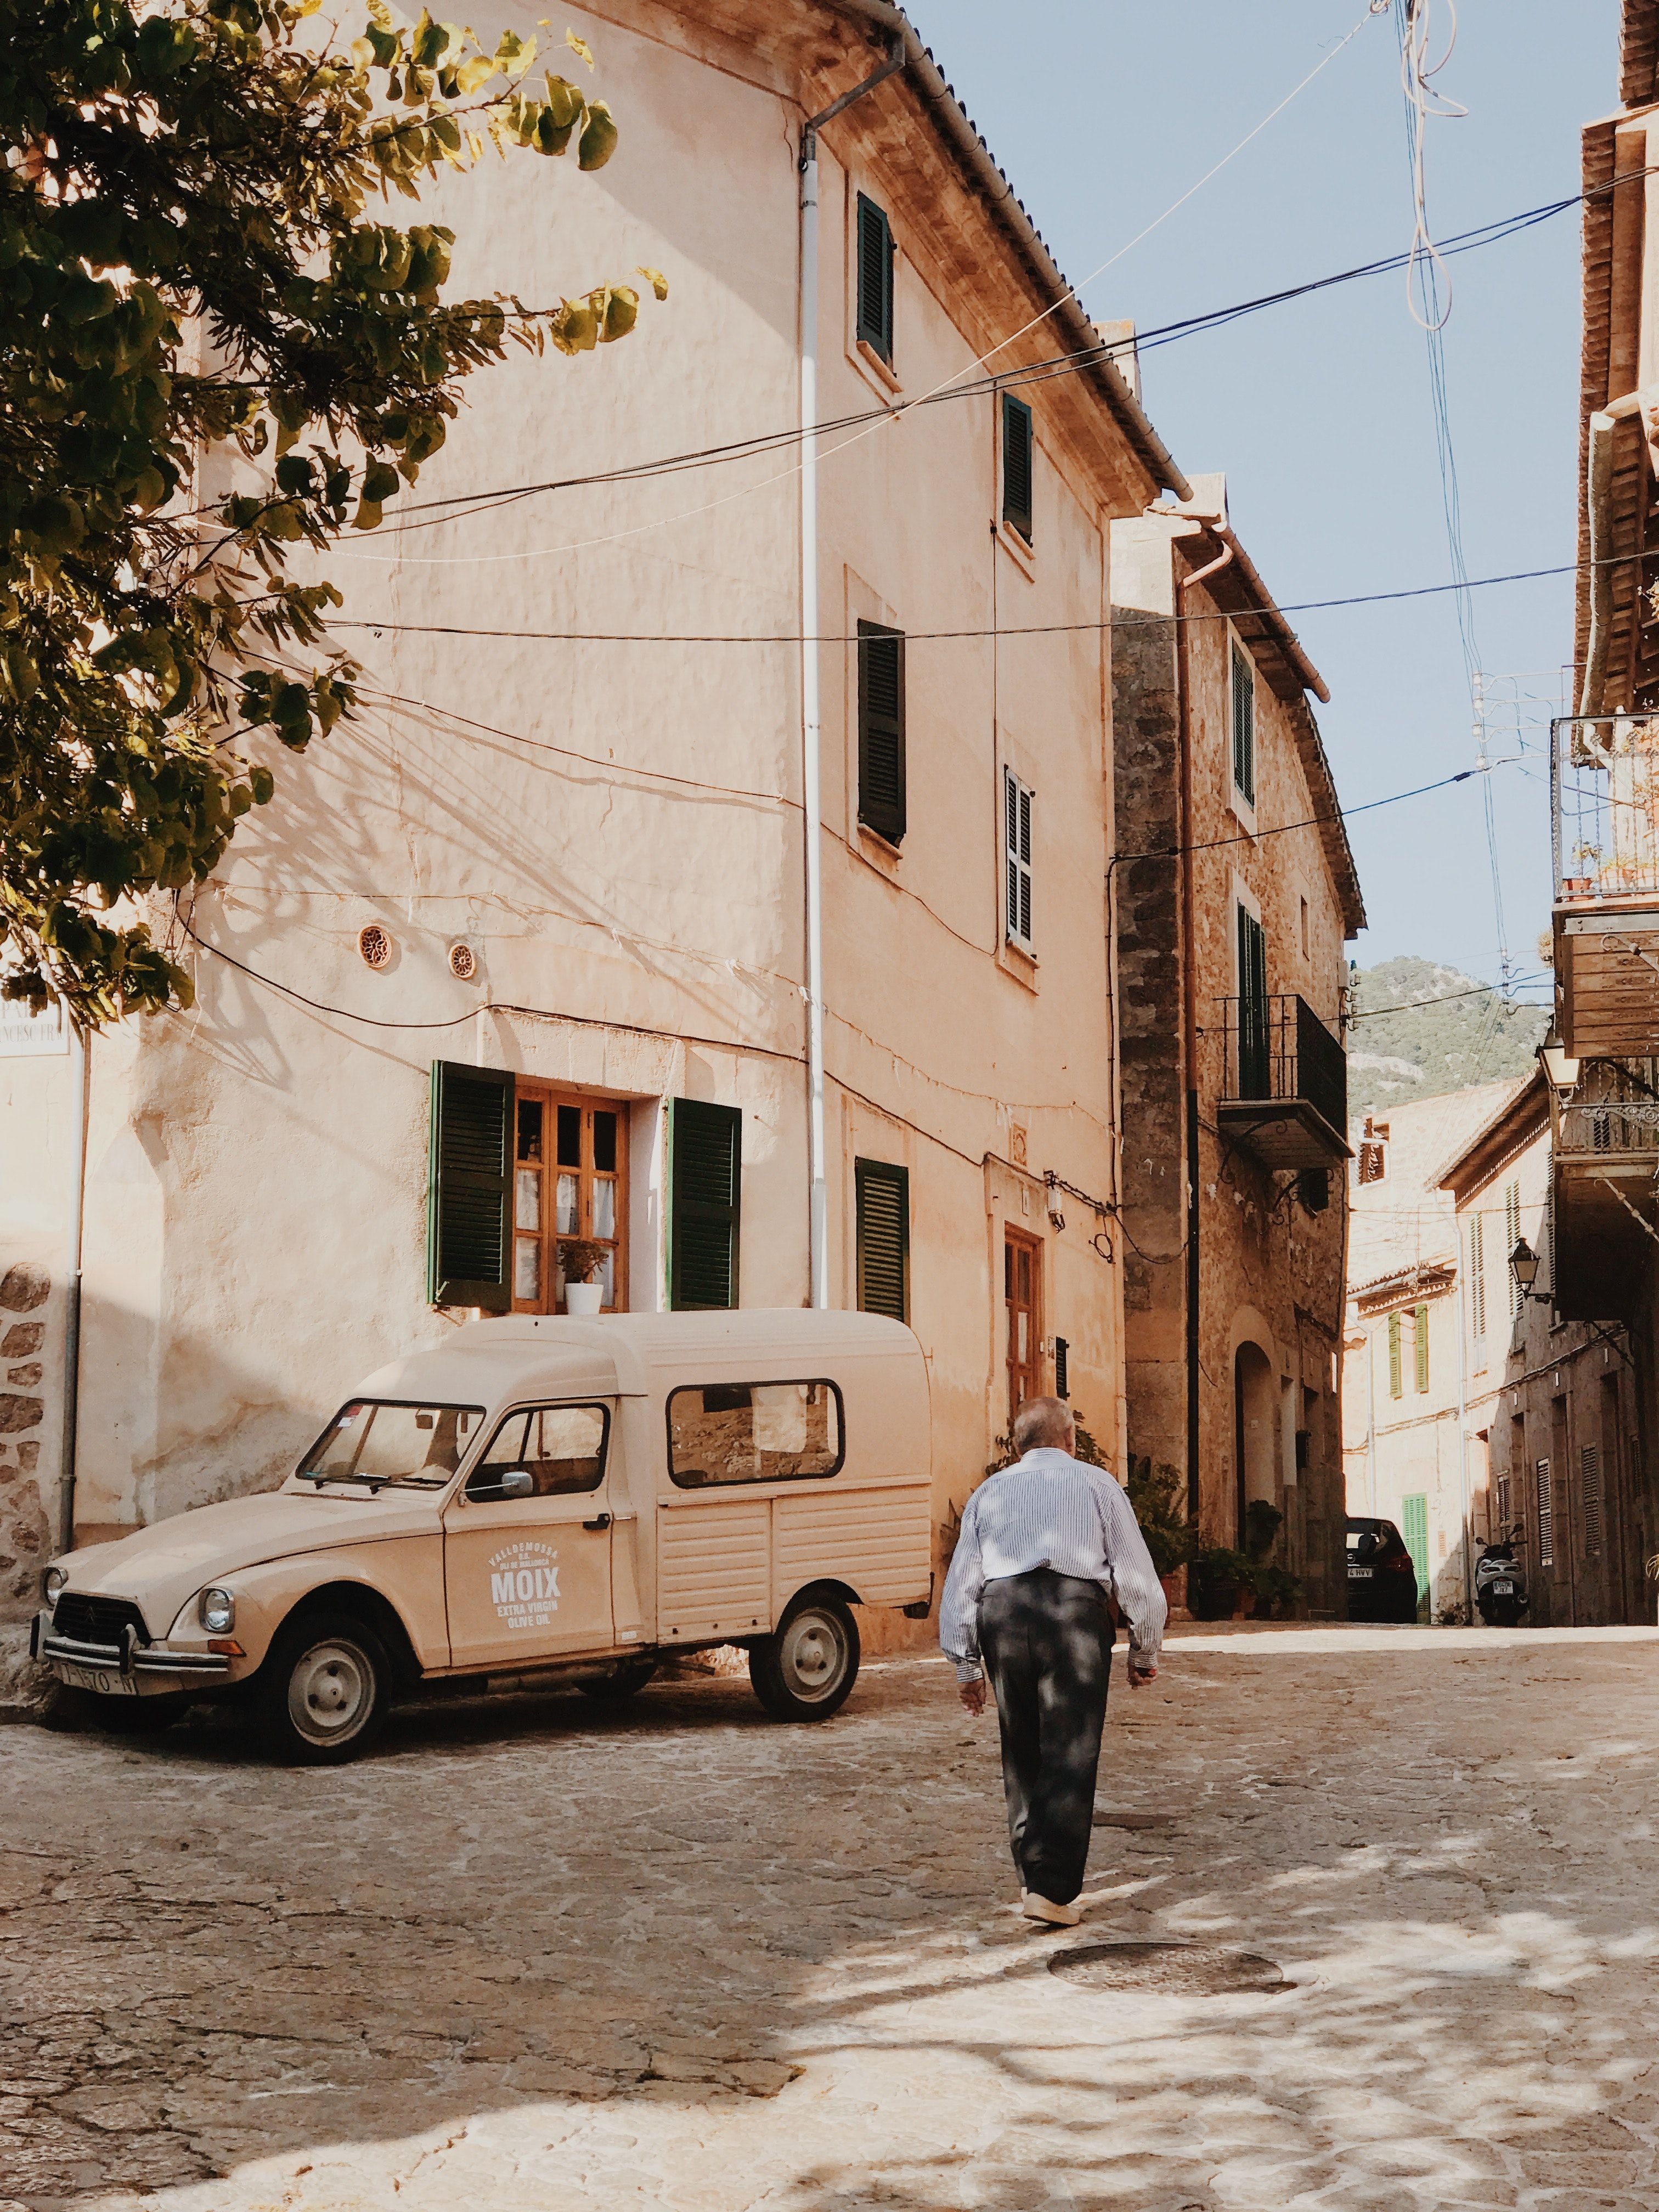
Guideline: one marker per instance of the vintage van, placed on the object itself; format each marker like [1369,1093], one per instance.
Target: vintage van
[541,1496]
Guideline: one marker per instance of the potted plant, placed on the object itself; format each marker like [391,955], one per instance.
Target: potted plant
[1157,1494]
[582,1257]
[1222,1583]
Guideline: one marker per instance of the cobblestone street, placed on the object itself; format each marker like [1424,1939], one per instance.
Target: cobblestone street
[545,1954]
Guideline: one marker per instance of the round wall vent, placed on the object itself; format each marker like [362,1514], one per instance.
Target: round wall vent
[376,944]
[463,962]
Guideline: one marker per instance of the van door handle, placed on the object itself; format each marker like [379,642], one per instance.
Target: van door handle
[602,1522]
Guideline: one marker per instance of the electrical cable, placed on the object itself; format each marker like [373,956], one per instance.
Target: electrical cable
[1119,621]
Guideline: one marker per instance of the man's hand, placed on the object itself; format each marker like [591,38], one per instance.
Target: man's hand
[1140,1676]
[973,1696]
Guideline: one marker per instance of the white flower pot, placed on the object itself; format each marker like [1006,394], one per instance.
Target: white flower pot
[582,1297]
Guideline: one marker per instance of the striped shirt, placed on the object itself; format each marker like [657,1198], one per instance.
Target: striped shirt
[1051,1510]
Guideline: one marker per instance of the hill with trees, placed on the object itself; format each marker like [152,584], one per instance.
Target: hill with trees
[1421,1029]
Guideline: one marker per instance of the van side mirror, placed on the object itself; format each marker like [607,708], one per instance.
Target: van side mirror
[488,1487]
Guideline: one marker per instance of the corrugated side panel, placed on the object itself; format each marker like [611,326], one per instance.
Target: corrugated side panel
[878,1540]
[712,1563]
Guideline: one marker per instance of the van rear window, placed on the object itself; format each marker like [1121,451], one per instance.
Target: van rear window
[754,1432]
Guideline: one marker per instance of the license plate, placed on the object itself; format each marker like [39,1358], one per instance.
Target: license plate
[107,1683]
[1361,1574]
[1502,1589]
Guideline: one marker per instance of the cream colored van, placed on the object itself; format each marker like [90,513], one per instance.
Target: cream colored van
[542,1496]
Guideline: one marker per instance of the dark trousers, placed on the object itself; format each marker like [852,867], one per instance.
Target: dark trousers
[1047,1643]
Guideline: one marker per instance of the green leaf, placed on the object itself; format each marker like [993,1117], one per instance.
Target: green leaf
[599,138]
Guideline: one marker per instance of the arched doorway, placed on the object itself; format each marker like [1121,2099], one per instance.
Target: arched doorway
[1256,1432]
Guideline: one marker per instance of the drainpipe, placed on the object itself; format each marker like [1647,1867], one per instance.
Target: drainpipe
[72,1287]
[1189,1013]
[811,708]
[1464,1292]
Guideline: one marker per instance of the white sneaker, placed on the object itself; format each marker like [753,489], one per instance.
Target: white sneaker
[1044,1909]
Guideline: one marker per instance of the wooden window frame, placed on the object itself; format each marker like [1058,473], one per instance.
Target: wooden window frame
[549,1097]
[1015,1240]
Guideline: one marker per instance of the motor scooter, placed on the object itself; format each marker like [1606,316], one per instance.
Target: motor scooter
[1500,1584]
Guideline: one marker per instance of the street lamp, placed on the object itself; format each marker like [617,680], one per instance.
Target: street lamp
[1523,1266]
[1563,1073]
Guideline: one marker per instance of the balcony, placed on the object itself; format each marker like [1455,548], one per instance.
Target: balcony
[1604,805]
[1606,1142]
[1284,1084]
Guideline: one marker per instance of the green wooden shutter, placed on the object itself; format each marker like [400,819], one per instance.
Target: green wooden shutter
[468,1183]
[1414,1528]
[1420,1331]
[1396,1385]
[881,731]
[1254,1041]
[883,1200]
[1017,442]
[1243,726]
[705,1183]
[875,279]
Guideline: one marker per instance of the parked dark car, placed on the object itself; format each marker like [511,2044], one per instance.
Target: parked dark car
[1382,1572]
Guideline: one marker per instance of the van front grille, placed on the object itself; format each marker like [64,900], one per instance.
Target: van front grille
[85,1619]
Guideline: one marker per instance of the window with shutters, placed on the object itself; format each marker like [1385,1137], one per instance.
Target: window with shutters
[1396,1381]
[1511,1238]
[882,1238]
[569,1182]
[1019,456]
[1243,688]
[1478,1285]
[1414,1529]
[874,322]
[1016,801]
[1590,1484]
[468,1166]
[1420,1334]
[705,1188]
[1545,1514]
[881,731]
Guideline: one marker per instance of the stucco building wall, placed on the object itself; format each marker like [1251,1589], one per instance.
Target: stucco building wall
[614,829]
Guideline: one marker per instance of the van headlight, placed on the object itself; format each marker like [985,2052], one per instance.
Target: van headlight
[52,1582]
[216,1611]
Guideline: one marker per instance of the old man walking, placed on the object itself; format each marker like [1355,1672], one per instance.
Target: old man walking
[1044,1544]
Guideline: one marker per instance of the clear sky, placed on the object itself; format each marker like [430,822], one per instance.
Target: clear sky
[1102,114]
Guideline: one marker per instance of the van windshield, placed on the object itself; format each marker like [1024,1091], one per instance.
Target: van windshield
[371,1440]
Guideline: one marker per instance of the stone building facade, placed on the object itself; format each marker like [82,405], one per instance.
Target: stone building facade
[571,877]
[1233,891]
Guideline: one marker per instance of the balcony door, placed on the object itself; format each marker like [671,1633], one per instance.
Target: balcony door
[1255,1046]
[1022,1280]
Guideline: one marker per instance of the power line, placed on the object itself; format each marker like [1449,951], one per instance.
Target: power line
[1131,621]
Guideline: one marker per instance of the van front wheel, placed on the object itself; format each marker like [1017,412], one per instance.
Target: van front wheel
[806,1671]
[323,1690]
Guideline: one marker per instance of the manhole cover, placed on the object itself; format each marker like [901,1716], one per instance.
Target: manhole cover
[1184,1970]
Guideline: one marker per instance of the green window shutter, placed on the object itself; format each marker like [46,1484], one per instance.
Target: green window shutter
[1414,1528]
[881,731]
[875,279]
[705,1183]
[1420,1332]
[882,1200]
[1243,688]
[469,1182]
[1018,444]
[1396,1385]
[1255,1040]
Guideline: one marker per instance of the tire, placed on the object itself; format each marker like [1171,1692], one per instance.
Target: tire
[806,1672]
[323,1690]
[625,1680]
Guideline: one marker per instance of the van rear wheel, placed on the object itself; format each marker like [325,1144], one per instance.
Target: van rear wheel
[323,1690]
[806,1671]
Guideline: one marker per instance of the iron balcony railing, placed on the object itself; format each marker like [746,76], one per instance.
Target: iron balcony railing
[1604,807]
[1612,1112]
[1278,1048]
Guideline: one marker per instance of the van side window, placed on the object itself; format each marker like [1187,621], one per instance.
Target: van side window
[561,1448]
[754,1432]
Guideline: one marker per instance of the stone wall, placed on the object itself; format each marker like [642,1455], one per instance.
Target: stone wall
[31,1316]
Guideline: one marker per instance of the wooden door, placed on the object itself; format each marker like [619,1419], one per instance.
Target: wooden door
[1022,1279]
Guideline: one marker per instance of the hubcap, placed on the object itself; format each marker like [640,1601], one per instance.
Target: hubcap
[814,1655]
[330,1692]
